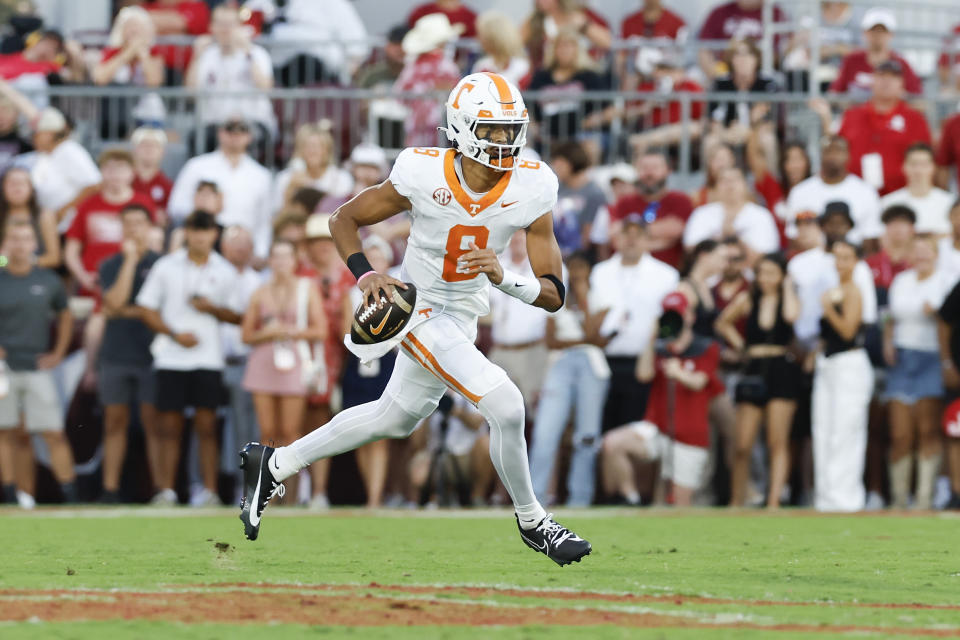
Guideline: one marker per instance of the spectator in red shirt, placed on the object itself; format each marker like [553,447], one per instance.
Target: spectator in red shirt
[43,56]
[131,57]
[96,232]
[660,121]
[682,370]
[550,17]
[653,21]
[881,131]
[455,11]
[857,71]
[664,211]
[149,145]
[948,151]
[738,20]
[178,17]
[428,69]
[896,246]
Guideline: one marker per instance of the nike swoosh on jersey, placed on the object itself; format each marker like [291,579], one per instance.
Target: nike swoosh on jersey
[377,329]
[508,204]
[254,516]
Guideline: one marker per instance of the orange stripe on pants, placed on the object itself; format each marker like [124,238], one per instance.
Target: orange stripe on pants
[450,380]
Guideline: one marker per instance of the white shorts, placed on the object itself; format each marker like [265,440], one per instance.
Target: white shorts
[33,395]
[440,355]
[684,464]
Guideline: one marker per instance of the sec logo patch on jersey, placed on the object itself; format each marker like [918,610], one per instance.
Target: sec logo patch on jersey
[442,196]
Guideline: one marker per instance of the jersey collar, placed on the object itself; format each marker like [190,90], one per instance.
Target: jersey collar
[471,206]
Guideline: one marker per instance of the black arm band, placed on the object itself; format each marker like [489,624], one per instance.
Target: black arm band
[559,285]
[358,264]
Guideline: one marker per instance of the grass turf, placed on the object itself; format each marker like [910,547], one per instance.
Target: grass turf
[829,562]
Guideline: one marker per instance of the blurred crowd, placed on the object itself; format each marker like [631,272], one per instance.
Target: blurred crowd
[157,315]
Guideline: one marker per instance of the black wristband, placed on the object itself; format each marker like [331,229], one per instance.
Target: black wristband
[359,265]
[559,285]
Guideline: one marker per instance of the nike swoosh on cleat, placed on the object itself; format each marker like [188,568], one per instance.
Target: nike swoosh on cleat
[504,205]
[536,546]
[276,465]
[377,329]
[254,516]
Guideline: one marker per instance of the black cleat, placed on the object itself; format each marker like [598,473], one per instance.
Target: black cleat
[258,486]
[555,541]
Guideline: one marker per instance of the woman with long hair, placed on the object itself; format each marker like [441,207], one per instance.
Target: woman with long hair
[18,200]
[314,165]
[549,17]
[503,46]
[705,262]
[719,157]
[842,387]
[282,321]
[914,379]
[567,72]
[793,167]
[768,389]
[131,57]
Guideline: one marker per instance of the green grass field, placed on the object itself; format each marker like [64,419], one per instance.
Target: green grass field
[703,574]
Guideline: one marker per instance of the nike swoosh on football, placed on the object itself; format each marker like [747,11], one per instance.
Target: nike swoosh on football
[508,204]
[254,516]
[377,329]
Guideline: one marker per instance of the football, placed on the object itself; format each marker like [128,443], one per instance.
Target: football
[373,324]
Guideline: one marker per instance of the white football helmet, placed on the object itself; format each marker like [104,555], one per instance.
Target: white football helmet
[482,99]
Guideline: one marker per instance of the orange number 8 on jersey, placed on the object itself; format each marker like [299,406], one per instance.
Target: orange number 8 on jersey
[458,243]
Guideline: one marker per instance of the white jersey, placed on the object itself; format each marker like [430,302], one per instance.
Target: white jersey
[447,218]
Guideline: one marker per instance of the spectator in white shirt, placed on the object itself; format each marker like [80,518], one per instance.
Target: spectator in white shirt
[337,37]
[914,380]
[518,329]
[931,204]
[243,182]
[948,251]
[313,165]
[813,272]
[63,173]
[836,184]
[237,247]
[733,215]
[630,288]
[186,297]
[227,62]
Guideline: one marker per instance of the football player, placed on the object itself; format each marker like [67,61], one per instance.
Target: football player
[465,203]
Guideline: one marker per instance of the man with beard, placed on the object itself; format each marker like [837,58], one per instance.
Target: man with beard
[836,184]
[665,212]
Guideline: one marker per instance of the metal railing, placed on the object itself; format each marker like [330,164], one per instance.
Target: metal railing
[103,117]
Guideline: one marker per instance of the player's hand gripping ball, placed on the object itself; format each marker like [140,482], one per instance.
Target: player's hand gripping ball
[375,323]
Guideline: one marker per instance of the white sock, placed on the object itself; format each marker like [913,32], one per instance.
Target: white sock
[530,515]
[284,463]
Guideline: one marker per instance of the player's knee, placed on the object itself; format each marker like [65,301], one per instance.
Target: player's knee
[503,405]
[395,421]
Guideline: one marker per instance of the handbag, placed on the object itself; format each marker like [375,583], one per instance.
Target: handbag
[312,358]
[752,389]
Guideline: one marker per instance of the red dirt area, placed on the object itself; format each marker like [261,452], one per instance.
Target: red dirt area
[581,596]
[359,607]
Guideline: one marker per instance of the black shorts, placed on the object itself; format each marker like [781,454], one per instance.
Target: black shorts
[199,388]
[765,379]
